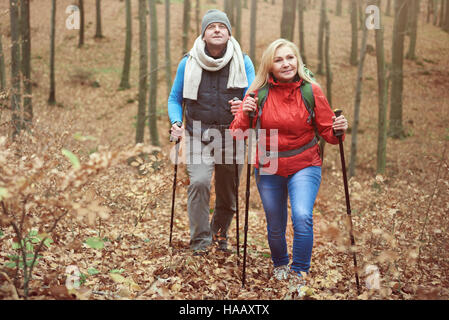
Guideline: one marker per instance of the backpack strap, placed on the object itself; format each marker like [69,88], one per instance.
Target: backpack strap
[262,95]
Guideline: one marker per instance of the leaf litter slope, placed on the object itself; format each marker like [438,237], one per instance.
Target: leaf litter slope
[400,219]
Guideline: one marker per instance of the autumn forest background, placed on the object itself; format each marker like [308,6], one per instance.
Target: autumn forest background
[85,171]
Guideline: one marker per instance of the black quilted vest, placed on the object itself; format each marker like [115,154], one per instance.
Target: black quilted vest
[212,107]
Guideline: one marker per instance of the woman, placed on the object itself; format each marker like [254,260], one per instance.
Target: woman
[297,176]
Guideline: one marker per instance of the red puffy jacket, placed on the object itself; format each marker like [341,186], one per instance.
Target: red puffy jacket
[285,111]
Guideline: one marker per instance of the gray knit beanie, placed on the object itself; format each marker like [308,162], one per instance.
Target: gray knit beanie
[212,16]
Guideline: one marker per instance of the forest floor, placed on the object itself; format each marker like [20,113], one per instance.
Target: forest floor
[400,219]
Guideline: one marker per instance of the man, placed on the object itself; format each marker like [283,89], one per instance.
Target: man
[207,80]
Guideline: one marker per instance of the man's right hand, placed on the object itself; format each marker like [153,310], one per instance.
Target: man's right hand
[176,131]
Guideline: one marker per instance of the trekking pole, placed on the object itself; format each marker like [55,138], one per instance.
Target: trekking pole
[179,124]
[339,134]
[248,182]
[236,169]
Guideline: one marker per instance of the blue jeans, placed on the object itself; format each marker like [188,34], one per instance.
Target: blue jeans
[302,188]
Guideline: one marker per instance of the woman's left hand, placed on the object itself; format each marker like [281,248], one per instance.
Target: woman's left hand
[340,123]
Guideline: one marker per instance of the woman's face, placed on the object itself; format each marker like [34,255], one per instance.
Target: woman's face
[285,64]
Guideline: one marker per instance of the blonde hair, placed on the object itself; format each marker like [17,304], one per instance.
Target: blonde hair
[266,64]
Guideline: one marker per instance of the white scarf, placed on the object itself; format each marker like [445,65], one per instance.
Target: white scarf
[199,60]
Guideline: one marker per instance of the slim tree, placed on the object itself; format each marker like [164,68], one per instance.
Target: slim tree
[435,12]
[98,30]
[26,61]
[252,32]
[229,10]
[143,71]
[388,9]
[446,19]
[52,97]
[152,114]
[328,62]
[288,19]
[302,45]
[413,24]
[167,46]
[358,100]
[443,4]
[321,27]
[397,61]
[81,35]
[238,20]
[197,16]
[328,76]
[382,98]
[338,9]
[2,67]
[124,83]
[354,42]
[15,66]
[185,25]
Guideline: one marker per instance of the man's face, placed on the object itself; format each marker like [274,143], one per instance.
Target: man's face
[216,34]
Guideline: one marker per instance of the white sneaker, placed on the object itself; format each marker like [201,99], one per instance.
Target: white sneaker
[281,272]
[297,284]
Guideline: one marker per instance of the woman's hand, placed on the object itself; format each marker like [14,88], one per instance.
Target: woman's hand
[249,105]
[340,123]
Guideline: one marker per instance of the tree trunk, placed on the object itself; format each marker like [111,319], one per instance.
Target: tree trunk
[2,67]
[143,71]
[328,63]
[382,99]
[52,97]
[442,11]
[98,31]
[413,23]
[388,10]
[238,21]
[15,66]
[252,37]
[152,110]
[338,9]
[81,38]
[400,23]
[26,62]
[361,9]
[197,16]
[229,10]
[435,12]
[354,43]
[185,26]
[446,19]
[429,10]
[358,100]
[321,27]
[302,45]
[328,76]
[167,46]
[124,84]
[288,19]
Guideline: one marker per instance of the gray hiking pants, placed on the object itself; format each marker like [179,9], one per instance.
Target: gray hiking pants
[200,174]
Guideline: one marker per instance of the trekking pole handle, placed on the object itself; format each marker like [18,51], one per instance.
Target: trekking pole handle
[251,114]
[338,113]
[173,139]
